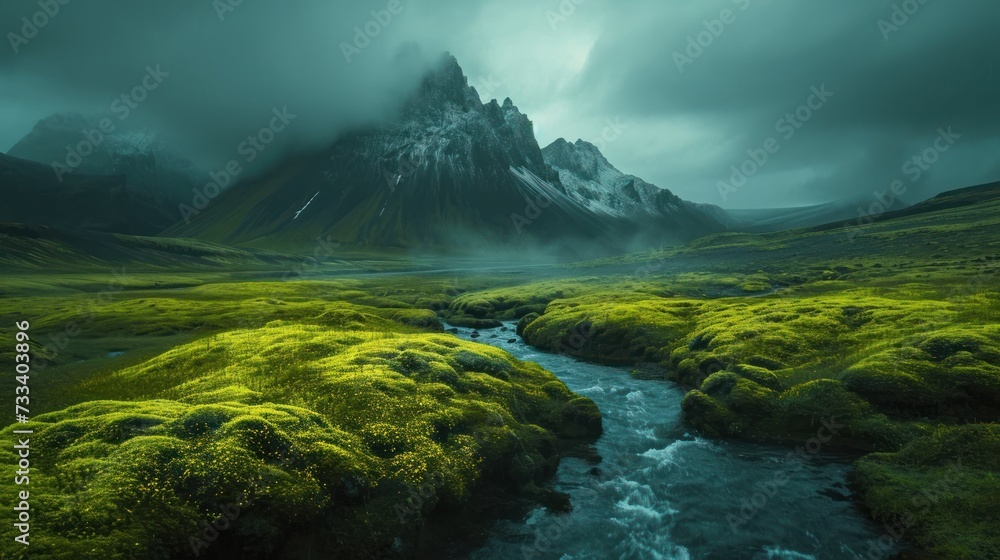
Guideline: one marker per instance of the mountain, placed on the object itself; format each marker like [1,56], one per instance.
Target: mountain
[764,220]
[49,249]
[450,171]
[152,170]
[34,195]
[969,197]
[590,180]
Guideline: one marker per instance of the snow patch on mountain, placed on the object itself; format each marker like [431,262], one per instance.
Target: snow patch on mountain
[303,209]
[592,181]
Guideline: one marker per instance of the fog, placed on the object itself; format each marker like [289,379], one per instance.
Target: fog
[692,89]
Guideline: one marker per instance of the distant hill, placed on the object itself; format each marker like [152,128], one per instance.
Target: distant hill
[152,170]
[778,219]
[52,249]
[955,229]
[970,196]
[32,194]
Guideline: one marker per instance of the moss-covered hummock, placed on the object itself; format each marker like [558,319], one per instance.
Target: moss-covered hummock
[940,491]
[293,425]
[327,406]
[885,343]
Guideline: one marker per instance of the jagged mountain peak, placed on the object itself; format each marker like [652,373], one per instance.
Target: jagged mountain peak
[445,119]
[582,159]
[451,167]
[444,88]
[590,179]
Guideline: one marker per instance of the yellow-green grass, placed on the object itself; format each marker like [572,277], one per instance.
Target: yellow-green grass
[941,491]
[77,320]
[297,423]
[885,368]
[892,354]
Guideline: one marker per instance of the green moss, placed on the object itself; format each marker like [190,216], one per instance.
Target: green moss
[581,418]
[741,395]
[337,395]
[127,480]
[709,416]
[951,372]
[294,419]
[759,375]
[524,322]
[941,490]
[622,332]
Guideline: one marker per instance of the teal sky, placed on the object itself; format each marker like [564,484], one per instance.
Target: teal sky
[684,113]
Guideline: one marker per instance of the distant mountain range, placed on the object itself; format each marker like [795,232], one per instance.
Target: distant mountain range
[152,170]
[450,172]
[33,195]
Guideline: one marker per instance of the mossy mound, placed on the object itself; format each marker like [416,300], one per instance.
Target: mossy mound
[524,322]
[514,302]
[827,364]
[729,405]
[940,491]
[366,418]
[875,361]
[123,480]
[627,331]
[952,372]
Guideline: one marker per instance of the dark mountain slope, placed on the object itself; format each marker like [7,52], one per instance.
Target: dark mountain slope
[151,169]
[33,194]
[50,249]
[590,180]
[451,172]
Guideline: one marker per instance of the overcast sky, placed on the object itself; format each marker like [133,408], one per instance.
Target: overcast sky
[683,115]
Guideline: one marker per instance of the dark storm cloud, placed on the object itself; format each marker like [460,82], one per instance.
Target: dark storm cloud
[572,65]
[227,65]
[938,69]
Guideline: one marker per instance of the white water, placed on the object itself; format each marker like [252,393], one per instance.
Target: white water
[662,493]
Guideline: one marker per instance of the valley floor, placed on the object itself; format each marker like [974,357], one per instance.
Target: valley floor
[336,414]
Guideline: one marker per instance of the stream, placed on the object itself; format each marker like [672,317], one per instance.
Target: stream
[663,493]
